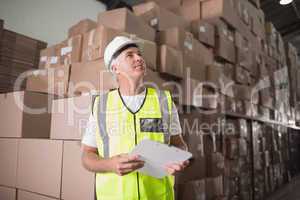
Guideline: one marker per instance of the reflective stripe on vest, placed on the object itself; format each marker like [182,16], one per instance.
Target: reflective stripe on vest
[119,130]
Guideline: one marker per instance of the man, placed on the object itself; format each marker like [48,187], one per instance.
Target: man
[122,118]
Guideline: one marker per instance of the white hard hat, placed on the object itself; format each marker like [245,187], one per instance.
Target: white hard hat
[114,46]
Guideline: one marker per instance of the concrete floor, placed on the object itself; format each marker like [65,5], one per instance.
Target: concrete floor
[290,191]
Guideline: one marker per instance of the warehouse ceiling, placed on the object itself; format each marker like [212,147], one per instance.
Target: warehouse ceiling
[286,19]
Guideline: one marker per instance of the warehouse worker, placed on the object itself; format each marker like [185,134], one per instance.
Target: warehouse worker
[123,117]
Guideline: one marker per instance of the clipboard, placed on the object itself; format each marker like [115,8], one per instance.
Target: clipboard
[156,155]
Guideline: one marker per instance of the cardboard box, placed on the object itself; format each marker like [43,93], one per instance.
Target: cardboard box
[214,187]
[216,78]
[191,10]
[49,57]
[192,190]
[159,81]
[215,164]
[45,157]
[173,37]
[204,32]
[81,27]
[71,50]
[158,17]
[30,111]
[170,5]
[72,189]
[126,21]
[220,8]
[70,117]
[90,77]
[149,52]
[242,76]
[170,61]
[243,107]
[8,165]
[7,193]
[50,81]
[242,92]
[24,195]
[196,94]
[225,48]
[95,42]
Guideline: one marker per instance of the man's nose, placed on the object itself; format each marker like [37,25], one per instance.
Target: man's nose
[138,57]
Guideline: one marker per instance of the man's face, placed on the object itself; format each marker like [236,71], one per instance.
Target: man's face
[130,64]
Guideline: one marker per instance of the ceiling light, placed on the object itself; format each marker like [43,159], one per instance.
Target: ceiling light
[285,2]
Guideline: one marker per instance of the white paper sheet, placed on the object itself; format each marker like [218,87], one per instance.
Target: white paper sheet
[156,155]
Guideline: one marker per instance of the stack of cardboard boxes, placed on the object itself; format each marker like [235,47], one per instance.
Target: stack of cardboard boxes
[18,54]
[271,150]
[219,59]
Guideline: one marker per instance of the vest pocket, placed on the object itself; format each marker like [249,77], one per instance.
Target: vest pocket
[151,125]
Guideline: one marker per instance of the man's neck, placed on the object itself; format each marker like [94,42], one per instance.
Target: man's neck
[130,88]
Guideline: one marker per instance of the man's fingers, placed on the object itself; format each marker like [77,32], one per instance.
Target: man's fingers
[131,166]
[128,159]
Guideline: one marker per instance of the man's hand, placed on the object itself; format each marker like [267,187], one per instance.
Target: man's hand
[172,168]
[124,164]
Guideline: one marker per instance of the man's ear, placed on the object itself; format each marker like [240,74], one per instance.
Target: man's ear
[114,67]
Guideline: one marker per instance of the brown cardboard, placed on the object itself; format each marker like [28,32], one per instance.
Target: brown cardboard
[71,50]
[242,92]
[69,117]
[17,106]
[157,80]
[214,187]
[225,48]
[7,193]
[173,37]
[215,164]
[204,32]
[95,41]
[24,195]
[8,164]
[90,77]
[192,190]
[50,81]
[149,52]
[49,57]
[44,157]
[243,107]
[242,76]
[220,8]
[158,17]
[81,27]
[72,189]
[196,94]
[216,77]
[126,21]
[170,61]
[170,5]
[191,10]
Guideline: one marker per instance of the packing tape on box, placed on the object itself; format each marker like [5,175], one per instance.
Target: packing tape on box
[65,50]
[154,22]
[53,60]
[43,59]
[188,42]
[90,47]
[202,29]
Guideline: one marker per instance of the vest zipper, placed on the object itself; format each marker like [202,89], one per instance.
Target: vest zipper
[137,174]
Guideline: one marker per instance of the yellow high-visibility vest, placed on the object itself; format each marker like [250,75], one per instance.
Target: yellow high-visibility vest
[119,130]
